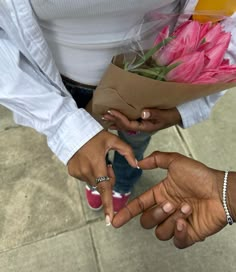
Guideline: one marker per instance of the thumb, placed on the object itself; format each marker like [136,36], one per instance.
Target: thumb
[125,150]
[158,160]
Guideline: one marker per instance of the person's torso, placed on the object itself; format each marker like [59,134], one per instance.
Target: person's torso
[83,35]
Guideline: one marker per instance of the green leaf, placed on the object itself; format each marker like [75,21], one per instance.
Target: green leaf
[203,41]
[126,66]
[145,71]
[171,67]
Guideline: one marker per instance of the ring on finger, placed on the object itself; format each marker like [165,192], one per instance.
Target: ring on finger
[101,179]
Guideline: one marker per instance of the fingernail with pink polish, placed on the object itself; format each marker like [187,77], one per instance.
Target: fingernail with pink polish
[180,226]
[185,209]
[167,207]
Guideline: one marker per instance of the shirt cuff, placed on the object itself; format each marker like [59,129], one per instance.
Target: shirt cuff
[76,130]
[193,112]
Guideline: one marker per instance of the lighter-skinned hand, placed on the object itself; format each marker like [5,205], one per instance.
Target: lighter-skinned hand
[151,120]
[185,206]
[88,163]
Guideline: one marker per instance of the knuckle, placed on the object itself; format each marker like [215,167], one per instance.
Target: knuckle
[72,172]
[78,172]
[155,153]
[103,187]
[84,170]
[140,204]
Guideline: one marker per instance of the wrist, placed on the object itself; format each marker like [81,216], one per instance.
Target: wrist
[231,194]
[175,117]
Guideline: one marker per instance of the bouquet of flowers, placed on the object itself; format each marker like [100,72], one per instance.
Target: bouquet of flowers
[193,53]
[183,63]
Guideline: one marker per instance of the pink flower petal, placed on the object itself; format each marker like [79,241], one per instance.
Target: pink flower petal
[162,35]
[189,68]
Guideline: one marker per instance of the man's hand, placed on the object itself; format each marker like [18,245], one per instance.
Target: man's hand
[151,120]
[186,205]
[88,163]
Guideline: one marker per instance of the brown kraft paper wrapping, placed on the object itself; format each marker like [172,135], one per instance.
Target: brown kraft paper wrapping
[129,93]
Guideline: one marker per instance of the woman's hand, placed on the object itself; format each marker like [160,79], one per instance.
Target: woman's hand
[88,163]
[151,120]
[186,205]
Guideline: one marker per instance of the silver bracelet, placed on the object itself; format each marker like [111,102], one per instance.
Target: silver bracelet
[230,220]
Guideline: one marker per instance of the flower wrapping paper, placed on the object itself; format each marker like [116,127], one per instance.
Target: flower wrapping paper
[130,92]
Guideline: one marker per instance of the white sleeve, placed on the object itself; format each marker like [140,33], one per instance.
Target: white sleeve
[38,104]
[198,110]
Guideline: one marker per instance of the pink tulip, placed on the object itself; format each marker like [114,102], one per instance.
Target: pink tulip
[174,49]
[189,36]
[162,35]
[226,73]
[205,80]
[204,29]
[180,28]
[215,55]
[225,62]
[212,36]
[189,68]
[224,39]
[195,54]
[185,41]
[206,76]
[223,74]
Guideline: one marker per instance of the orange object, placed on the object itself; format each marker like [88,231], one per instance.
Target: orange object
[214,10]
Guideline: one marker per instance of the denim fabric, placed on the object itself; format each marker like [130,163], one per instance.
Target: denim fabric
[126,176]
[81,95]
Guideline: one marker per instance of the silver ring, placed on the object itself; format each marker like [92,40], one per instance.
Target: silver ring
[101,179]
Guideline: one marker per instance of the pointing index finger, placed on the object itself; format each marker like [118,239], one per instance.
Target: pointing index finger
[158,160]
[135,207]
[105,190]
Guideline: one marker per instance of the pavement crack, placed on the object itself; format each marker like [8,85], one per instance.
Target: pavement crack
[11,127]
[95,250]
[185,144]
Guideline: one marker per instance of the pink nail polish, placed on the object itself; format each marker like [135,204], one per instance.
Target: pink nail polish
[167,207]
[185,209]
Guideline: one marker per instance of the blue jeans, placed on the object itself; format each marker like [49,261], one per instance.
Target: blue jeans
[126,176]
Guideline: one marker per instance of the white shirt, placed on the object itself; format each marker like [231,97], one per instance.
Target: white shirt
[87,34]
[30,83]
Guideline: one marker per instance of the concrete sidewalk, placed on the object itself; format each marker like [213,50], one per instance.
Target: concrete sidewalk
[45,225]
